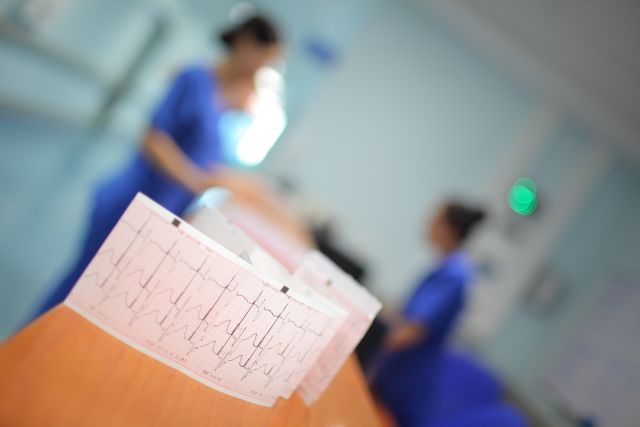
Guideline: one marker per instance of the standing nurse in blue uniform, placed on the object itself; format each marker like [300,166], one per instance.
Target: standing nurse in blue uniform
[403,383]
[181,153]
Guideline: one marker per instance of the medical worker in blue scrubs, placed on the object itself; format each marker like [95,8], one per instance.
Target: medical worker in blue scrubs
[412,348]
[181,153]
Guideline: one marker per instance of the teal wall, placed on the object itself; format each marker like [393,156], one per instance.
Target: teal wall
[107,35]
[600,245]
[412,115]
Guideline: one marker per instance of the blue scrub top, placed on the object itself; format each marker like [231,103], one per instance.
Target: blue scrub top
[188,113]
[404,381]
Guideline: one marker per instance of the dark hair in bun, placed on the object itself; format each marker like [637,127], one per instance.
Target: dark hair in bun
[462,218]
[258,27]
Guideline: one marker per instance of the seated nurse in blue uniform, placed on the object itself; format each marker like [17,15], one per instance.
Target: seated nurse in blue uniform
[181,154]
[417,337]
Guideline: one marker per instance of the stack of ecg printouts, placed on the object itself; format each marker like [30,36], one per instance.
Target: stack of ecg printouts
[209,302]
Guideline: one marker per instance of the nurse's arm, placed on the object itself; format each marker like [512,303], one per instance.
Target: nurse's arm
[405,335]
[165,154]
[169,158]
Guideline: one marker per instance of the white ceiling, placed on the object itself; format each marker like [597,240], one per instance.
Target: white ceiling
[584,54]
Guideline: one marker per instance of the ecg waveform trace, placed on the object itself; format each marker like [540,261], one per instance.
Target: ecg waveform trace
[159,286]
[317,271]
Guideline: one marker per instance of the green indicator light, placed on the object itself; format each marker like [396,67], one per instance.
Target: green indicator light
[523,198]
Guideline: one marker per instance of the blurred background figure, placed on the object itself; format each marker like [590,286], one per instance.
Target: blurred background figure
[181,153]
[375,112]
[418,333]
